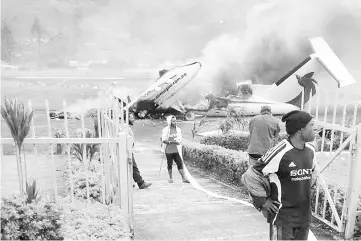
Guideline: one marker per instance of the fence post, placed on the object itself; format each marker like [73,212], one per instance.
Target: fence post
[123,174]
[353,188]
[130,184]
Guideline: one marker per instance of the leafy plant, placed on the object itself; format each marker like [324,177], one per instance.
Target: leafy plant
[237,142]
[59,147]
[31,192]
[336,142]
[229,141]
[211,157]
[195,128]
[79,180]
[18,121]
[38,220]
[77,149]
[236,119]
[93,114]
[227,125]
[93,222]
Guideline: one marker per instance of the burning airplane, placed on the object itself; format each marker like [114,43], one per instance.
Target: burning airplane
[288,93]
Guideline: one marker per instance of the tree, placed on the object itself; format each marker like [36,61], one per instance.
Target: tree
[18,121]
[7,42]
[37,31]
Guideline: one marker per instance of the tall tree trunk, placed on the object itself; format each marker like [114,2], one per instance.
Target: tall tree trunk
[25,170]
[20,169]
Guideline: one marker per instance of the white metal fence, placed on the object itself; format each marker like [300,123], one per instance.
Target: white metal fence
[110,142]
[337,195]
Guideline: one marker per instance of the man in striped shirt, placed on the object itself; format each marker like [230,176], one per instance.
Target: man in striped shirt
[289,166]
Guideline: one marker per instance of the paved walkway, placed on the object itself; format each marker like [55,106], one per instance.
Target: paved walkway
[178,211]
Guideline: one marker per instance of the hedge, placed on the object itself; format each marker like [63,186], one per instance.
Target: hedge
[240,142]
[237,142]
[235,163]
[211,157]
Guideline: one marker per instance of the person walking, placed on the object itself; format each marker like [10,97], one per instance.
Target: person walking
[136,173]
[289,166]
[263,129]
[171,142]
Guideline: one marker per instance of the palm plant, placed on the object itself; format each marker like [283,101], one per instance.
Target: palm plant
[18,120]
[31,192]
[90,149]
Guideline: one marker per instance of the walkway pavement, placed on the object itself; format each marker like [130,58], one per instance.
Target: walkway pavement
[178,211]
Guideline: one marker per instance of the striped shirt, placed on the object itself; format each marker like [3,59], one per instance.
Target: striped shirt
[290,173]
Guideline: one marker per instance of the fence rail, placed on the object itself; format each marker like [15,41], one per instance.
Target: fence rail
[338,122]
[113,154]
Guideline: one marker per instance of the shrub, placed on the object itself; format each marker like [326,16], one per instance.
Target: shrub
[237,142]
[59,147]
[339,202]
[229,141]
[327,142]
[37,220]
[91,150]
[79,180]
[229,124]
[82,221]
[213,157]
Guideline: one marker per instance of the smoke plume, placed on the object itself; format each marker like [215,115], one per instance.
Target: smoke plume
[276,39]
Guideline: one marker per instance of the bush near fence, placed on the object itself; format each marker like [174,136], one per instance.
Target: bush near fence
[211,157]
[30,221]
[44,220]
[232,164]
[79,180]
[237,142]
[340,198]
[240,142]
[94,221]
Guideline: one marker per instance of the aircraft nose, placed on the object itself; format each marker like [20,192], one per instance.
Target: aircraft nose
[197,63]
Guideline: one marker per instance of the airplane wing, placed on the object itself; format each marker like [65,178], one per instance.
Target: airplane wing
[164,91]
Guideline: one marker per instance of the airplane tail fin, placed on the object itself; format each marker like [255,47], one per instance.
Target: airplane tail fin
[303,77]
[331,62]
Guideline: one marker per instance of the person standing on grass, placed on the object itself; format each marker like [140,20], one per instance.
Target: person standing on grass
[263,130]
[289,166]
[171,141]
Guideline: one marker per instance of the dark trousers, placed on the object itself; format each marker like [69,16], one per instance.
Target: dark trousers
[136,174]
[177,159]
[287,232]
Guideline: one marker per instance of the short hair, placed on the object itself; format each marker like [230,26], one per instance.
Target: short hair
[266,108]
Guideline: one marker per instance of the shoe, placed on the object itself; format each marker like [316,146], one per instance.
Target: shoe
[186,181]
[145,185]
[170,180]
